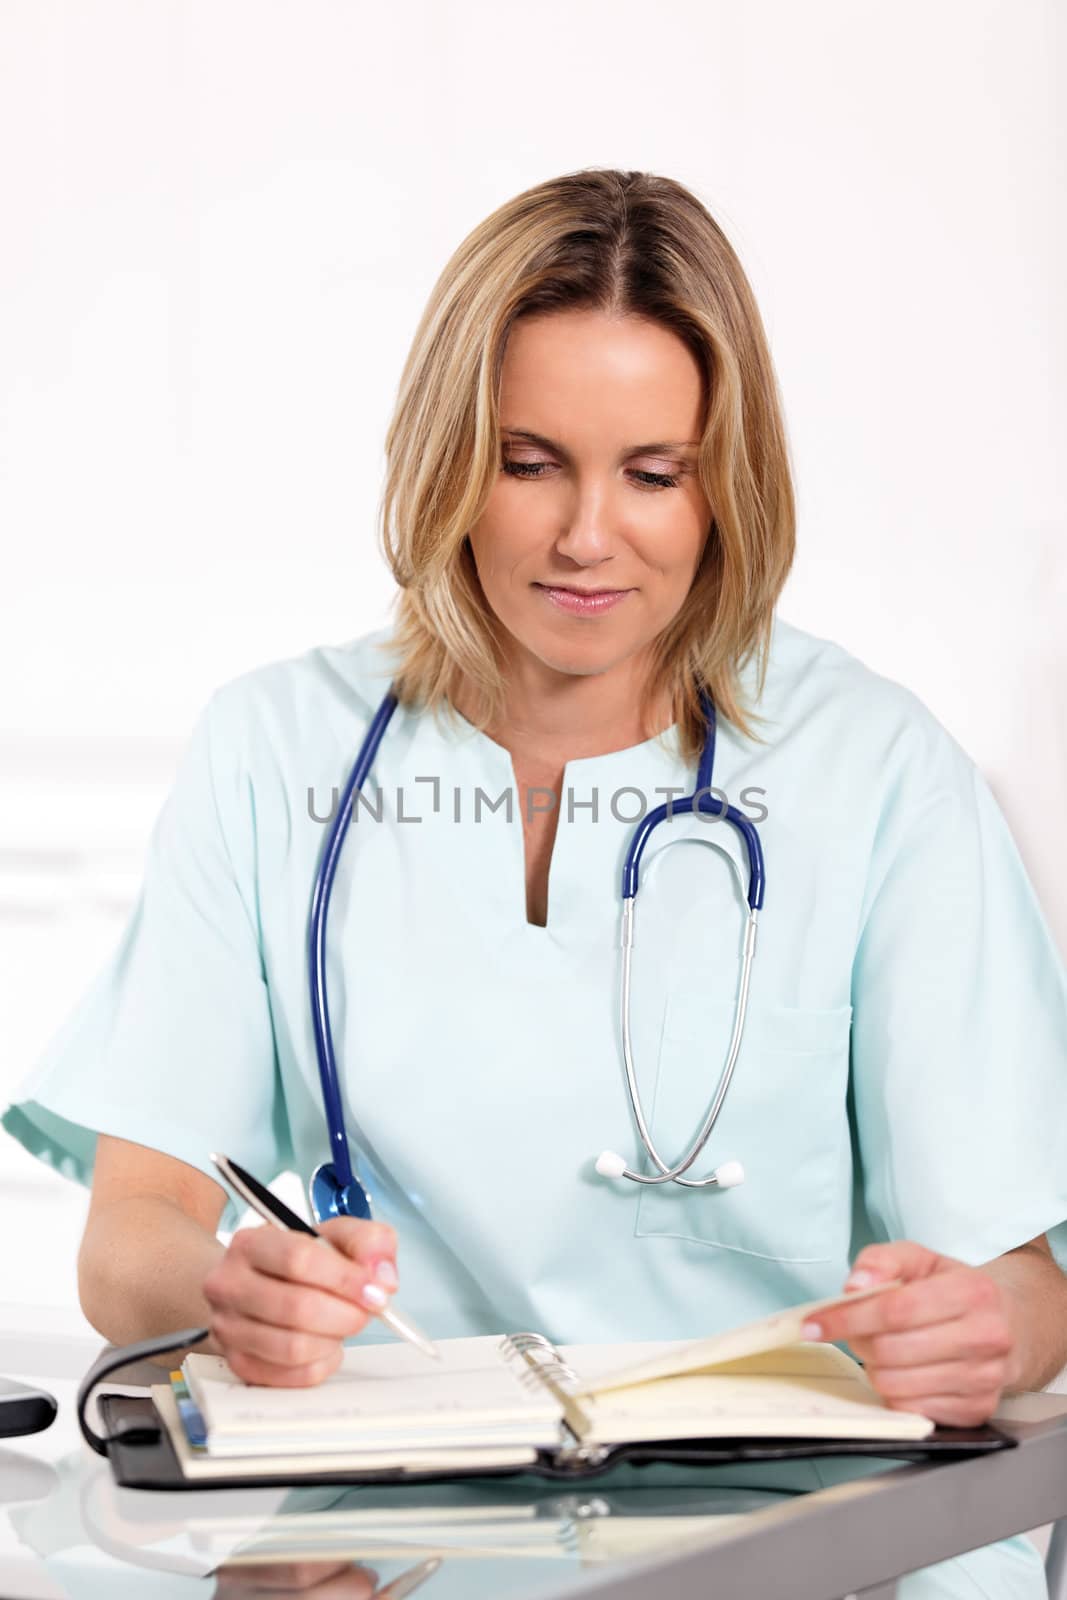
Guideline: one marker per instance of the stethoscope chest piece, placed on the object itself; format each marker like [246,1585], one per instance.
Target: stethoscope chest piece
[331,1198]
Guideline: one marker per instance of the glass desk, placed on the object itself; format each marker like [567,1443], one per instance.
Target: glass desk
[816,1529]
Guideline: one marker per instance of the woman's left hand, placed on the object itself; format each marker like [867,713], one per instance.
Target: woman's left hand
[946,1343]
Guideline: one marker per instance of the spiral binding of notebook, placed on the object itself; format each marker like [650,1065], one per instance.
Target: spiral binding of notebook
[537,1355]
[541,1363]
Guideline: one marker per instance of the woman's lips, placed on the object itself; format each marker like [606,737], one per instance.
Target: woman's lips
[585,604]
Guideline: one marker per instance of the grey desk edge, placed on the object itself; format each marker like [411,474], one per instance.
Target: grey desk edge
[866,1533]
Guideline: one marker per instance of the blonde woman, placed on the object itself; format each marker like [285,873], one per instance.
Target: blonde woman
[589,514]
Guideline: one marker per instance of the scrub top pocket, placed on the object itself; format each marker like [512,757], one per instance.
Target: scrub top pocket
[784,1118]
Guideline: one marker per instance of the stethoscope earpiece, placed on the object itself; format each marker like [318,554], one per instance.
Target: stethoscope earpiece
[729,1175]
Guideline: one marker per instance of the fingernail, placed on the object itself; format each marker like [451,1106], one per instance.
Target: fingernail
[385,1273]
[811,1330]
[859,1280]
[372,1296]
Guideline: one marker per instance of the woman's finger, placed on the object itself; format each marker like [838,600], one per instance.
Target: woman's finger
[944,1297]
[360,1239]
[285,1347]
[298,1258]
[253,1369]
[974,1338]
[942,1378]
[287,1303]
[954,1410]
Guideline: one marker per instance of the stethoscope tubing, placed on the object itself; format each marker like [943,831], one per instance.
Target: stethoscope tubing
[701,800]
[320,902]
[667,1173]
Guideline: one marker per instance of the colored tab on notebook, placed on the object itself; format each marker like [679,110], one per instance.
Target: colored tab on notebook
[188,1411]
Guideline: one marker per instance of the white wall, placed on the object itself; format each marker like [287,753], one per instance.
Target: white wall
[220,224]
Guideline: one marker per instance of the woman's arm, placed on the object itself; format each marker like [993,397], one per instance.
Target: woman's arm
[149,1242]
[278,1304]
[1037,1288]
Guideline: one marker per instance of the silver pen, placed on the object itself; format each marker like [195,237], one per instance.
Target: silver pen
[271,1209]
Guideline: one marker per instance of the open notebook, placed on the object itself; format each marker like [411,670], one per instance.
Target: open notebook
[511,1404]
[495,1402]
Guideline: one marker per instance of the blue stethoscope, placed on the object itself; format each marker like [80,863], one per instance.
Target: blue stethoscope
[334,1190]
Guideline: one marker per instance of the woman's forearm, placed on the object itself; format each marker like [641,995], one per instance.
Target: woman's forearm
[1038,1288]
[140,1268]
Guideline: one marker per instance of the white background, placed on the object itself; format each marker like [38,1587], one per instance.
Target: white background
[220,224]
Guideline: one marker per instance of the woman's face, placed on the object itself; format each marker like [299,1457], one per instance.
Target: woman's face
[607,498]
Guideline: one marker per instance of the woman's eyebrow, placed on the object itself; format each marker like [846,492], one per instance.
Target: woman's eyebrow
[633,450]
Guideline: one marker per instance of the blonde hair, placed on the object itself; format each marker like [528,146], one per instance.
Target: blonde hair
[629,244]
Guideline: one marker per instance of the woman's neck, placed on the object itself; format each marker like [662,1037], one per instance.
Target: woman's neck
[556,718]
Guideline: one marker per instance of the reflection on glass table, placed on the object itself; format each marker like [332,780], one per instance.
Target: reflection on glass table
[489,1537]
[325,1580]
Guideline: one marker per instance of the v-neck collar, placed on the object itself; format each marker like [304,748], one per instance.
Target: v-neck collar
[589,849]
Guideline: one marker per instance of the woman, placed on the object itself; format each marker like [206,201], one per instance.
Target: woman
[589,406]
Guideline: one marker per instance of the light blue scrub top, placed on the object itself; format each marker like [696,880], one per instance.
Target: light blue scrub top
[903,1072]
[904,1068]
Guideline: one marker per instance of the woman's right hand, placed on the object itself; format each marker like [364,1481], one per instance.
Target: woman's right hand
[283,1303]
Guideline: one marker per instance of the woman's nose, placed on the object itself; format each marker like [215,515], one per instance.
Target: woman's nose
[588,529]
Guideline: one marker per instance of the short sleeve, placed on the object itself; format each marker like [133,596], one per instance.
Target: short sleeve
[172,1046]
[959,1036]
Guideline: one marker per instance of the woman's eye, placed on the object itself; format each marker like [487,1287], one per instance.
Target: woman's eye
[658,480]
[534,469]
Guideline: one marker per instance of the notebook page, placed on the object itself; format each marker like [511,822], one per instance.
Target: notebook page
[613,1367]
[802,1390]
[198,1464]
[380,1392]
